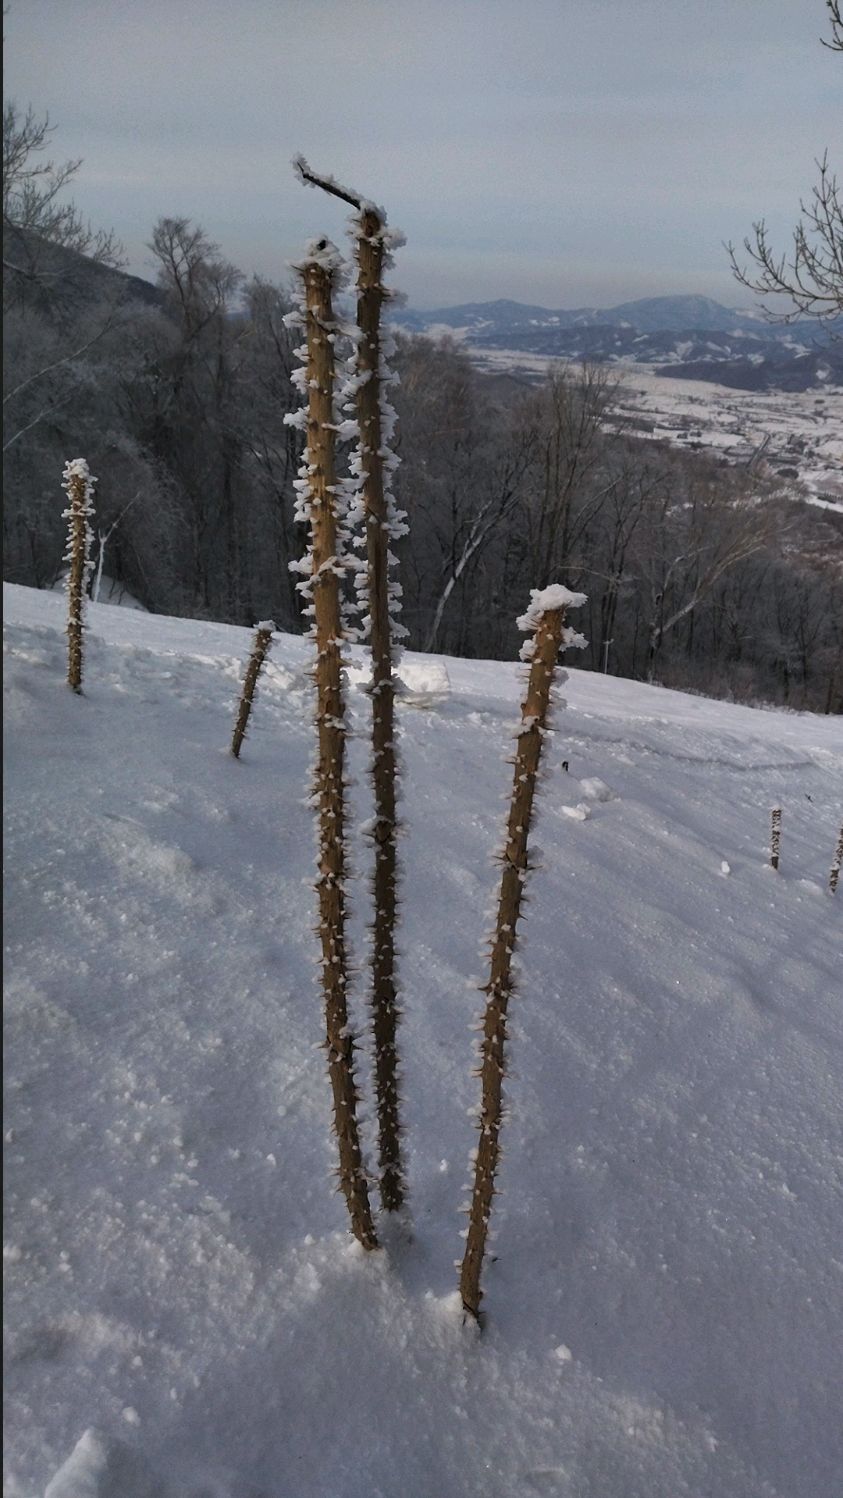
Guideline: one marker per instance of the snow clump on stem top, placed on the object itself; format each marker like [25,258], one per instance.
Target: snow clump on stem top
[542,600]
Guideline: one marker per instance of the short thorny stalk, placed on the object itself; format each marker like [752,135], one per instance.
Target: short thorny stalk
[330,717]
[834,872]
[534,711]
[253,669]
[775,836]
[78,484]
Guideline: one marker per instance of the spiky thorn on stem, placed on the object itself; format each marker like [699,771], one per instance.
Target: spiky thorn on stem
[317,279]
[256,659]
[371,248]
[542,653]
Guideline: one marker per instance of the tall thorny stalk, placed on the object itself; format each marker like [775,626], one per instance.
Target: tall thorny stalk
[374,522]
[78,484]
[373,462]
[545,619]
[321,502]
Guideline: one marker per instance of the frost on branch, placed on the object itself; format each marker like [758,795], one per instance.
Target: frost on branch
[546,618]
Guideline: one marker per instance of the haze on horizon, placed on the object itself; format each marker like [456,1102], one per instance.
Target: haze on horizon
[548,151]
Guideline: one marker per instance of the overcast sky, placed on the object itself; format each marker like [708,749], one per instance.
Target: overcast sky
[565,152]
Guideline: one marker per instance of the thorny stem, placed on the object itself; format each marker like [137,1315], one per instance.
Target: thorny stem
[256,660]
[370,254]
[534,712]
[330,719]
[77,496]
[834,874]
[775,836]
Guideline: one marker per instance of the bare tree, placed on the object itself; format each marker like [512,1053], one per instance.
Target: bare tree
[465,464]
[192,273]
[35,202]
[496,505]
[693,537]
[810,274]
[271,450]
[196,395]
[64,364]
[836,43]
[48,330]
[568,415]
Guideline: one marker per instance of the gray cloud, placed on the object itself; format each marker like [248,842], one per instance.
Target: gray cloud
[552,150]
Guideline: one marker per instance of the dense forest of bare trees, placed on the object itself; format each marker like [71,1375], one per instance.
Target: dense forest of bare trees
[698,574]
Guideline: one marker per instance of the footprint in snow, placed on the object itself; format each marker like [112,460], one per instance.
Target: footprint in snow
[547,1479]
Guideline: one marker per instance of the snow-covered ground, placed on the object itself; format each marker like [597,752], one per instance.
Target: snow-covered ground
[185,1311]
[796,434]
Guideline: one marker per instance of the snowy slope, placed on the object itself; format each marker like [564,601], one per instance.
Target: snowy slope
[186,1314]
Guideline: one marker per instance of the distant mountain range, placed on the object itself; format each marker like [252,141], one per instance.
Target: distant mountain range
[690,337]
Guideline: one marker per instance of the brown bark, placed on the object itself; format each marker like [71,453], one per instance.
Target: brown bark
[330,720]
[370,254]
[534,712]
[256,660]
[775,836]
[77,501]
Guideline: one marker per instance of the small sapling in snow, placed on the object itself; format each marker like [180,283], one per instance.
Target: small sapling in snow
[78,484]
[775,836]
[834,873]
[256,659]
[545,619]
[319,503]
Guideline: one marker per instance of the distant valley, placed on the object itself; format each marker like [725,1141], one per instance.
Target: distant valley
[687,337]
[692,373]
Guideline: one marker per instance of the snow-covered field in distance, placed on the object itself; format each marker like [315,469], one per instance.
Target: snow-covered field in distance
[799,434]
[185,1313]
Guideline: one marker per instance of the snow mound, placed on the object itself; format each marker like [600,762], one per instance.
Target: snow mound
[103,1467]
[420,681]
[424,681]
[579,813]
[107,589]
[595,789]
